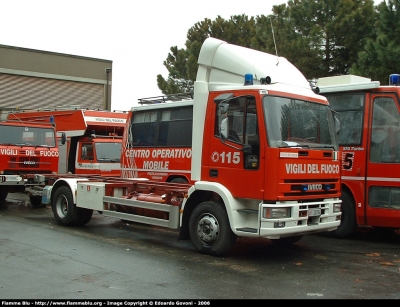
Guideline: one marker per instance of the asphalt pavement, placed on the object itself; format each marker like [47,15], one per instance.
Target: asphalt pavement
[111,259]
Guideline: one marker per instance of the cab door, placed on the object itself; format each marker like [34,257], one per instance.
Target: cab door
[232,155]
[383,167]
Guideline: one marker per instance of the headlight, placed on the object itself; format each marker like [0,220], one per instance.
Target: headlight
[276,213]
[337,207]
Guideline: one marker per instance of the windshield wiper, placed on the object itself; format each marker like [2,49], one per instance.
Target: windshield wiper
[323,146]
[108,160]
[23,144]
[290,144]
[48,146]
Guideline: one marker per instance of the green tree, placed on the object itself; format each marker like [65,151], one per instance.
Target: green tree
[321,38]
[381,55]
[278,34]
[328,34]
[182,63]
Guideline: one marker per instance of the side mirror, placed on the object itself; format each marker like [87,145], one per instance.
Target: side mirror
[223,97]
[223,116]
[84,153]
[223,108]
[63,138]
[336,121]
[223,128]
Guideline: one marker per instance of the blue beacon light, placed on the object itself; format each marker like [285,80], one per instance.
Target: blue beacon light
[394,79]
[248,79]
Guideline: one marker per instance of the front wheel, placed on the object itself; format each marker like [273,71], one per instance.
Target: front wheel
[348,223]
[65,211]
[209,229]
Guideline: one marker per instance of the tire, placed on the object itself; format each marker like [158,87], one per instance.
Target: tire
[209,229]
[3,195]
[286,241]
[348,224]
[36,201]
[179,180]
[65,211]
[85,216]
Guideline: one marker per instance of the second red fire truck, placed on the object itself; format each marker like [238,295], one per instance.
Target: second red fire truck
[370,146]
[34,143]
[93,137]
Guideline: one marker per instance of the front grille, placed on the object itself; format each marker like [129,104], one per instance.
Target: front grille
[24,163]
[313,220]
[306,188]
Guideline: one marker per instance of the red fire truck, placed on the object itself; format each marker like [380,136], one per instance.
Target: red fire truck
[370,144]
[26,148]
[89,142]
[161,134]
[264,159]
[93,138]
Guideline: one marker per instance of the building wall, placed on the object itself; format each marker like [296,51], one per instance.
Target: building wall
[34,79]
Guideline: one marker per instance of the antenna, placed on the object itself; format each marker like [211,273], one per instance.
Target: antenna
[273,35]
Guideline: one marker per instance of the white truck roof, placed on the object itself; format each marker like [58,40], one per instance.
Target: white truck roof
[345,83]
[221,63]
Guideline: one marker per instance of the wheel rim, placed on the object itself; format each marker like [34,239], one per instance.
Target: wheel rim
[62,206]
[207,229]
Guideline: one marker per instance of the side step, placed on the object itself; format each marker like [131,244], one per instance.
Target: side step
[171,222]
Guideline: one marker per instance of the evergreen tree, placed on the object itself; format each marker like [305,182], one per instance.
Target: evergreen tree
[328,34]
[381,55]
[182,64]
[321,38]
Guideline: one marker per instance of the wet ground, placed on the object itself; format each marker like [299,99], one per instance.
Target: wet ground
[112,259]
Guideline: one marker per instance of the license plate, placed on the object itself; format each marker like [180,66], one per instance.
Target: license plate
[314,212]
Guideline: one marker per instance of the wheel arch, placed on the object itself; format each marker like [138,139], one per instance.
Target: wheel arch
[178,178]
[71,183]
[349,222]
[346,190]
[205,191]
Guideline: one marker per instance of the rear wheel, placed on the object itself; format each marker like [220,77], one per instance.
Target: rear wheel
[3,195]
[65,211]
[85,216]
[179,180]
[209,229]
[36,201]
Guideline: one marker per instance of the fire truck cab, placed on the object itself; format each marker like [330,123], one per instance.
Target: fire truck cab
[26,148]
[369,140]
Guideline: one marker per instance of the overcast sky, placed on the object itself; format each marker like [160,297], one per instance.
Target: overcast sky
[135,35]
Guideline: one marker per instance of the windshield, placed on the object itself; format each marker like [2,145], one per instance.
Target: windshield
[293,122]
[350,106]
[27,136]
[108,152]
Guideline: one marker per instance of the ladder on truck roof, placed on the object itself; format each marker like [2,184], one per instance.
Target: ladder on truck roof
[166,98]
[65,108]
[60,108]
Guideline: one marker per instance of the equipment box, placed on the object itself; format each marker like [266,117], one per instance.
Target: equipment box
[90,195]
